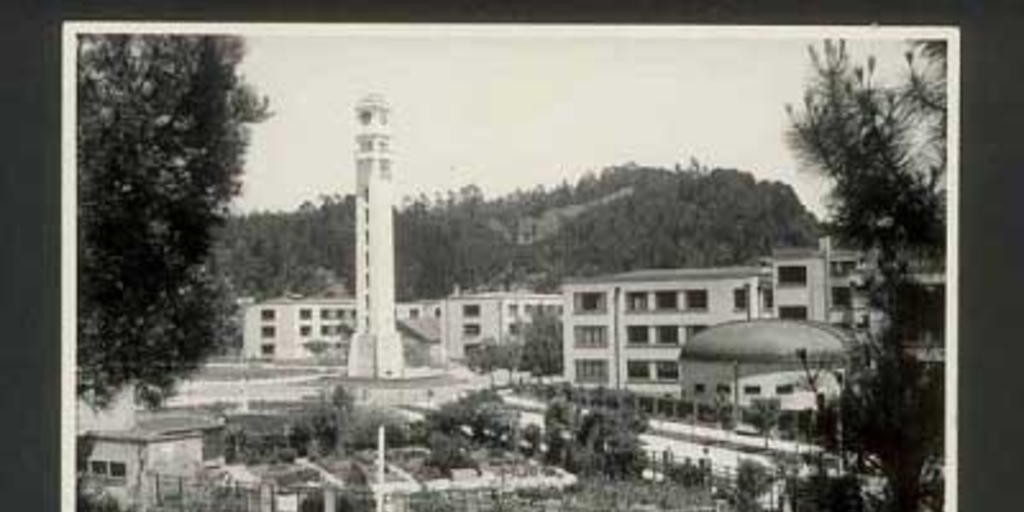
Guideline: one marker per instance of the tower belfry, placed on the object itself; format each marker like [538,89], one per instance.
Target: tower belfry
[376,349]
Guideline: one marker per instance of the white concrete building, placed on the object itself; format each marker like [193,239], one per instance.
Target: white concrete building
[820,284]
[785,360]
[472,319]
[284,328]
[624,331]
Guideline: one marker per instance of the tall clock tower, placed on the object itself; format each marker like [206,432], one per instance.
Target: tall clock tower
[376,348]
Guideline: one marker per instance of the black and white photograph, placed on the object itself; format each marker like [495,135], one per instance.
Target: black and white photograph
[484,267]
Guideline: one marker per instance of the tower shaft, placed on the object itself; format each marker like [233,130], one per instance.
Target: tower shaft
[376,347]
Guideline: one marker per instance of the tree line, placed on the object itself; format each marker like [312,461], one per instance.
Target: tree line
[673,217]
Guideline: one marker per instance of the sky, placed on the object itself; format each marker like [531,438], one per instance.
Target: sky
[518,111]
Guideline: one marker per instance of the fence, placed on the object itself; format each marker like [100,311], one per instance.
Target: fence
[178,494]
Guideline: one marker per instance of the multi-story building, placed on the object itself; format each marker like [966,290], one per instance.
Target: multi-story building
[284,328]
[469,320]
[821,284]
[625,330]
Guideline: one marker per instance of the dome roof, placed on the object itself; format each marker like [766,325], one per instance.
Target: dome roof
[767,341]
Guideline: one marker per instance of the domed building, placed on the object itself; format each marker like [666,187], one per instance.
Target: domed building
[743,361]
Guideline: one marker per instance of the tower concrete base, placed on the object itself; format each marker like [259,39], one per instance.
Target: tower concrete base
[376,356]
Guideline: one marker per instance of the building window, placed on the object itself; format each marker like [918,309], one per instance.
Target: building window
[267,350]
[437,312]
[326,314]
[752,390]
[693,330]
[792,275]
[268,331]
[513,310]
[723,389]
[385,169]
[99,467]
[589,302]
[366,145]
[769,298]
[638,370]
[667,370]
[784,389]
[592,371]
[471,310]
[305,314]
[591,336]
[327,330]
[843,268]
[513,329]
[697,300]
[666,301]
[414,313]
[470,330]
[305,330]
[793,312]
[118,470]
[636,301]
[668,334]
[698,389]
[267,314]
[842,297]
[740,300]
[637,334]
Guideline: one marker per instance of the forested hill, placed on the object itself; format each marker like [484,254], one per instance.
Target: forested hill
[627,217]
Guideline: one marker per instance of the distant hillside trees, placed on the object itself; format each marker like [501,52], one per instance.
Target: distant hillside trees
[671,218]
[162,130]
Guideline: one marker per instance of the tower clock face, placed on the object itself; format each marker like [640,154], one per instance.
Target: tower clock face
[365,116]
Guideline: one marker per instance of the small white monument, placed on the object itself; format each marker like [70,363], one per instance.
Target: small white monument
[376,348]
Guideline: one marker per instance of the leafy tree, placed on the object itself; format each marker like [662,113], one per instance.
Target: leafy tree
[343,405]
[542,346]
[533,436]
[752,481]
[448,452]
[560,420]
[162,129]
[764,415]
[883,147]
[613,437]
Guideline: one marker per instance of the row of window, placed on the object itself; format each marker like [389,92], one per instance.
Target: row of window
[667,300]
[415,313]
[270,332]
[108,469]
[473,310]
[748,390]
[366,144]
[596,336]
[662,370]
[692,300]
[270,314]
[591,371]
